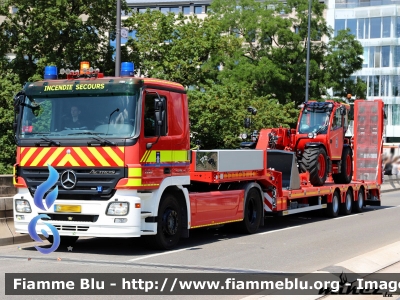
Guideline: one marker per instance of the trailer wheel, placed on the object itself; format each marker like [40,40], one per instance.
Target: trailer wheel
[346,167]
[252,213]
[359,204]
[169,227]
[314,160]
[333,208]
[345,208]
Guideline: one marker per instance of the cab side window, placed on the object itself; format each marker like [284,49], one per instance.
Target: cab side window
[150,128]
[337,120]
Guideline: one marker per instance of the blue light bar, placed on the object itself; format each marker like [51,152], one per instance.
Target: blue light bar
[50,72]
[127,69]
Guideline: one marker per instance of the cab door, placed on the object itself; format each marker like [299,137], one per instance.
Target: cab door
[336,136]
[155,152]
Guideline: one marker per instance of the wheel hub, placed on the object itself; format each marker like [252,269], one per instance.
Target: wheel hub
[170,222]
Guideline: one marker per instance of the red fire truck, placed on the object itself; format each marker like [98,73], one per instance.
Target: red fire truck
[126,168]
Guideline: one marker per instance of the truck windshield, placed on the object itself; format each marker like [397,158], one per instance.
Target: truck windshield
[109,116]
[314,121]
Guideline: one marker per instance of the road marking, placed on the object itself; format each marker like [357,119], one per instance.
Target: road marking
[158,254]
[346,216]
[278,230]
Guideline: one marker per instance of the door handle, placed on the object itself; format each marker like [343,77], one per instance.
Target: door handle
[330,141]
[167,171]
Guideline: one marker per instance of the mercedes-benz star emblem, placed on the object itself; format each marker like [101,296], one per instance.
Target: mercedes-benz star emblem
[68,179]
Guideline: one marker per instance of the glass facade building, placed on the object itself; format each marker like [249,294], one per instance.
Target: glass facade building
[376,24]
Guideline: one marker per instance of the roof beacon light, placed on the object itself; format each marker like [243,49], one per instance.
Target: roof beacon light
[84,67]
[127,69]
[50,72]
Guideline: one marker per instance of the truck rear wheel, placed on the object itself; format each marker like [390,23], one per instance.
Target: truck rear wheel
[345,208]
[346,173]
[332,208]
[252,213]
[359,204]
[314,160]
[169,224]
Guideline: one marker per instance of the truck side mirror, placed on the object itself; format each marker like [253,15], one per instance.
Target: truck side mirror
[247,123]
[159,111]
[18,100]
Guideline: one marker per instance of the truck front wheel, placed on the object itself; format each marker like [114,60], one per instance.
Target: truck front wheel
[169,224]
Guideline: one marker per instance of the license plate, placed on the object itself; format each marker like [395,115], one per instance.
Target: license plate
[67,208]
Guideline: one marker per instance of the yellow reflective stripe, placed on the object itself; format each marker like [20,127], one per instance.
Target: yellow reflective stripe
[134,172]
[114,156]
[40,156]
[134,182]
[165,156]
[70,159]
[82,155]
[180,155]
[98,156]
[145,156]
[54,155]
[27,156]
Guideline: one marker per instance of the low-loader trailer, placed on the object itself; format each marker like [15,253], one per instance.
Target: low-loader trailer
[127,170]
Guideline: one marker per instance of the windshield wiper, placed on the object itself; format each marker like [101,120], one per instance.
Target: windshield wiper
[51,142]
[96,137]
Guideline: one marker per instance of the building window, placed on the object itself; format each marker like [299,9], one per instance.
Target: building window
[376,85]
[365,57]
[386,22]
[395,85]
[384,85]
[360,34]
[352,25]
[339,25]
[377,57]
[198,10]
[371,56]
[385,56]
[367,28]
[375,28]
[397,27]
[395,114]
[396,56]
[186,10]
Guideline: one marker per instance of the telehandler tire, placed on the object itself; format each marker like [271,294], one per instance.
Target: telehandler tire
[314,160]
[346,167]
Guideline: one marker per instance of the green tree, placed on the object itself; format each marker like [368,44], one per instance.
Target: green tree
[344,56]
[187,50]
[61,32]
[9,86]
[272,59]
[217,114]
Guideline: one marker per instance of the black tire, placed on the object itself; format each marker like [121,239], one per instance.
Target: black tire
[359,204]
[332,208]
[64,240]
[346,173]
[169,224]
[346,207]
[252,213]
[314,160]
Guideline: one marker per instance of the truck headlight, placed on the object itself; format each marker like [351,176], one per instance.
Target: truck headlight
[22,206]
[117,209]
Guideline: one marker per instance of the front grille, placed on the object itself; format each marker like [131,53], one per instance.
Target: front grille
[73,217]
[86,186]
[71,228]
